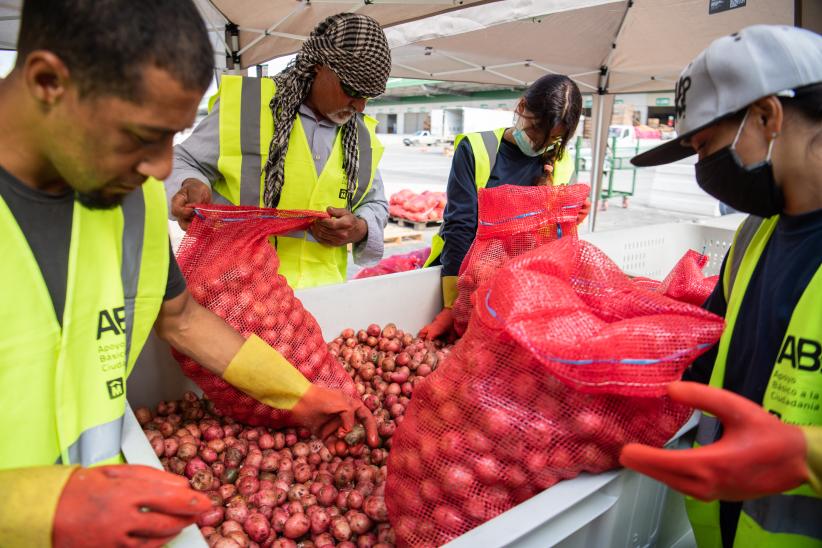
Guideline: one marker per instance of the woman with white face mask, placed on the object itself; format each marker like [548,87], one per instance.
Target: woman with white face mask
[750,107]
[531,153]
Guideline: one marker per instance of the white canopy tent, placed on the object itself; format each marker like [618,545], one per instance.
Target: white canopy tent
[249,32]
[606,46]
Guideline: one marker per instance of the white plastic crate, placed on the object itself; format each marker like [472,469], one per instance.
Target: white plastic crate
[653,250]
[617,509]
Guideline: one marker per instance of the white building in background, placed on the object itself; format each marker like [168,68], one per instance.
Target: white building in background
[447,109]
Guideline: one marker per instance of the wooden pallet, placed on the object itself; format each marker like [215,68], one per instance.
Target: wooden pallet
[397,234]
[394,234]
[416,225]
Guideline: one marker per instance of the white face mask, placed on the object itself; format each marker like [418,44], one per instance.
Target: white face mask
[524,142]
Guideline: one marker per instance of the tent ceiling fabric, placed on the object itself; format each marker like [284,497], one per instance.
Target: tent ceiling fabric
[645,46]
[269,29]
[272,28]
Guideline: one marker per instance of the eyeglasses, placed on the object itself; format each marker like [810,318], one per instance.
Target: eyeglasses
[351,92]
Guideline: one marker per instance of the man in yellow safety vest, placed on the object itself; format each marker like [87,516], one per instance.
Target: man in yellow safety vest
[299,141]
[750,106]
[87,118]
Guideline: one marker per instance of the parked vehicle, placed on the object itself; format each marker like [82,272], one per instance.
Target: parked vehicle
[422,137]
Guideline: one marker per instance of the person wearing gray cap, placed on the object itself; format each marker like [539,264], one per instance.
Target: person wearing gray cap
[299,140]
[750,106]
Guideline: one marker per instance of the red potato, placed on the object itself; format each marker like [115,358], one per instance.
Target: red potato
[320,521]
[278,460]
[202,480]
[375,509]
[340,529]
[278,518]
[359,523]
[237,512]
[211,517]
[257,527]
[296,526]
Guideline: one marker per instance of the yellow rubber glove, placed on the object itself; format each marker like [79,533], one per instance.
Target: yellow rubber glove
[813,437]
[28,503]
[449,291]
[264,374]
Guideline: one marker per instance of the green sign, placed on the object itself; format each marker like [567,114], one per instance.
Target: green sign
[588,102]
[663,101]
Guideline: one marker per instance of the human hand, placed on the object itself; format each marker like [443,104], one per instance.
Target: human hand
[584,211]
[341,228]
[124,505]
[325,411]
[191,192]
[442,324]
[757,454]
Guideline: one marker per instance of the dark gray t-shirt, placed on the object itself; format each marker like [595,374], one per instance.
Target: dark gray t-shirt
[45,219]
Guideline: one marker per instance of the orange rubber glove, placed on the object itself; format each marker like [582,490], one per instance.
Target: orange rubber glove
[124,505]
[443,323]
[325,411]
[264,374]
[757,455]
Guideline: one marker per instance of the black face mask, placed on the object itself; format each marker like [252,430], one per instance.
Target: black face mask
[751,189]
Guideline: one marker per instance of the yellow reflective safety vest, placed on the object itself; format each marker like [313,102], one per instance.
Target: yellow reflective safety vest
[794,394]
[246,130]
[63,389]
[485,147]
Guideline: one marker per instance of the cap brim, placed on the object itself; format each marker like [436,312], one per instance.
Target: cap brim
[672,151]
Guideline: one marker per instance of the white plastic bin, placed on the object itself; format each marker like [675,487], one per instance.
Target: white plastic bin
[617,509]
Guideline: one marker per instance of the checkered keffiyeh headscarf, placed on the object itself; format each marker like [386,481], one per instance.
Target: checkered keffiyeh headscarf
[355,48]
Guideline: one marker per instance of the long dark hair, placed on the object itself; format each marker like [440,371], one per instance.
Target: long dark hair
[552,100]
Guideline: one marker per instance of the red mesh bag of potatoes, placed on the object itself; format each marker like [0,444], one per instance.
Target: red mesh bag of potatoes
[230,267]
[685,282]
[565,361]
[513,220]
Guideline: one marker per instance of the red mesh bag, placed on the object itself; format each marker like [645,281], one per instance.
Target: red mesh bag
[685,282]
[230,268]
[564,361]
[396,263]
[513,220]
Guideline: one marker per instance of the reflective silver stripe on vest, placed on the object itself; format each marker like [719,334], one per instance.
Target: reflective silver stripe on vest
[743,240]
[134,215]
[792,514]
[96,444]
[250,170]
[366,160]
[300,235]
[708,430]
[489,139]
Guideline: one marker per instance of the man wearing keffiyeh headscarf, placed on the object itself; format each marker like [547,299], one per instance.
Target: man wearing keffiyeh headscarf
[321,95]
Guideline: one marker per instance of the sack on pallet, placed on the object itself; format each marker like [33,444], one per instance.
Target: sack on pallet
[513,220]
[685,282]
[565,360]
[230,267]
[428,206]
[396,263]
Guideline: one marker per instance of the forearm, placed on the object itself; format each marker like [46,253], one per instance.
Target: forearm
[198,333]
[370,249]
[374,211]
[28,503]
[197,157]
[460,218]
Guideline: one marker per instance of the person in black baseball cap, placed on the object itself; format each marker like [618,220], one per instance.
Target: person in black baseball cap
[750,107]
